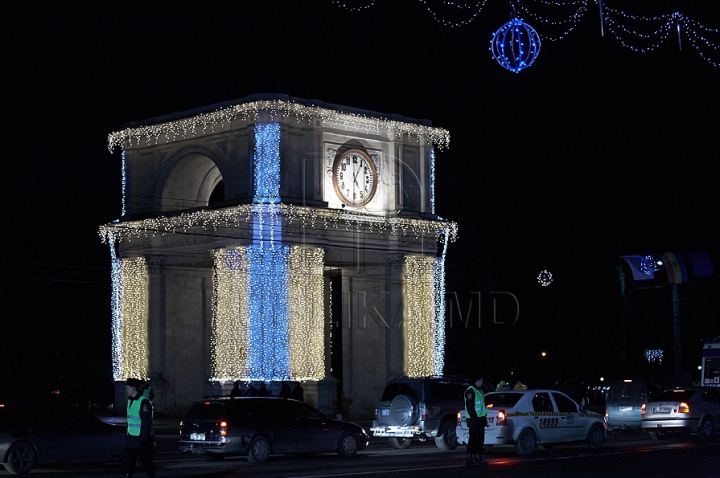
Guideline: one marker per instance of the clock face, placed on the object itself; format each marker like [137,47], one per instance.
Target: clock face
[354,178]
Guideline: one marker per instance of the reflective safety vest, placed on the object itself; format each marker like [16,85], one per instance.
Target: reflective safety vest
[480,409]
[133,416]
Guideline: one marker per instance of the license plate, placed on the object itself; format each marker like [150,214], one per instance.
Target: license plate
[385,412]
[661,410]
[197,436]
[625,409]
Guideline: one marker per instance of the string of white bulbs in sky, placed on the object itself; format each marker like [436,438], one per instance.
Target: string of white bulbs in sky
[516,44]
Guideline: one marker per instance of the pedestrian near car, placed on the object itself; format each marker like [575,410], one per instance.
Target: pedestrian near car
[476,419]
[138,441]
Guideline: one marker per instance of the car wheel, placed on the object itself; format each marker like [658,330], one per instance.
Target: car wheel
[400,442]
[447,440]
[595,437]
[259,450]
[348,445]
[706,429]
[21,458]
[525,443]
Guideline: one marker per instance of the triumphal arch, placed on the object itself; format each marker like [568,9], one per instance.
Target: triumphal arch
[274,239]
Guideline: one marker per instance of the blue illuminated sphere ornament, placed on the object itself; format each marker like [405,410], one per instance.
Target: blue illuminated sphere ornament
[515,45]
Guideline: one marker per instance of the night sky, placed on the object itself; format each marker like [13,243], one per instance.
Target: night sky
[593,152]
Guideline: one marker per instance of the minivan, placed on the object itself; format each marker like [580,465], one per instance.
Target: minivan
[624,400]
[257,427]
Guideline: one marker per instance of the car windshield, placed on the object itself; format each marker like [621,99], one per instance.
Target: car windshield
[675,395]
[504,399]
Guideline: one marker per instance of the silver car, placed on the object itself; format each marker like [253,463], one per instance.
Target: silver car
[526,418]
[694,411]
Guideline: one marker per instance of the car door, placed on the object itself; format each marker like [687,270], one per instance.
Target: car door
[314,431]
[545,419]
[51,438]
[571,425]
[274,418]
[88,439]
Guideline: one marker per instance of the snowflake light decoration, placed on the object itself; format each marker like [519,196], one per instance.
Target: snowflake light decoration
[545,278]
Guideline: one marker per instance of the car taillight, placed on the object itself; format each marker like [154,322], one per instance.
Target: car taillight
[643,410]
[606,413]
[683,408]
[376,415]
[223,428]
[501,420]
[423,412]
[458,420]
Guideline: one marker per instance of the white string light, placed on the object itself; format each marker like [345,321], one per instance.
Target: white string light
[307,218]
[207,123]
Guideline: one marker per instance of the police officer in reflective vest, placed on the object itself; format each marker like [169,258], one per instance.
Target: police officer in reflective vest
[138,443]
[476,419]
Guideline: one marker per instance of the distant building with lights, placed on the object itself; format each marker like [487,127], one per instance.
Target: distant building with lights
[277,239]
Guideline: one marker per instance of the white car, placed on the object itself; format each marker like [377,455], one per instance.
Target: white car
[526,418]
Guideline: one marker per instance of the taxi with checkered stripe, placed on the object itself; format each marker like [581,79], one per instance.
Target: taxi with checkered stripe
[527,418]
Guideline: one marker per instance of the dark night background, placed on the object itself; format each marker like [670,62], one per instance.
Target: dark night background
[593,152]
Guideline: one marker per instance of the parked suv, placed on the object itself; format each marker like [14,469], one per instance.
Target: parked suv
[420,408]
[258,427]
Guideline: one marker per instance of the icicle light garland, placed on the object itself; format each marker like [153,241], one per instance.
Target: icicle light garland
[207,123]
[130,317]
[242,216]
[424,320]
[268,317]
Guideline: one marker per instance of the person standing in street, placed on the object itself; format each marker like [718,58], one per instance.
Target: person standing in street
[476,418]
[138,442]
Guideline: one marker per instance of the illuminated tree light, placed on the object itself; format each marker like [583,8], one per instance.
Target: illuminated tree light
[207,123]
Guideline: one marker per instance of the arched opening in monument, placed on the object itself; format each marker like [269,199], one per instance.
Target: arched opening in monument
[194,181]
[218,194]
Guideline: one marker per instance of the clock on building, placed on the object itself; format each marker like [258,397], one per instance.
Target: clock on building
[354,177]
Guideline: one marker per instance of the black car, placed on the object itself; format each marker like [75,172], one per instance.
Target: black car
[258,427]
[36,432]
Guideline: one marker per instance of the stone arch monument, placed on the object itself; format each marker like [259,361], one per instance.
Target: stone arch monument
[277,239]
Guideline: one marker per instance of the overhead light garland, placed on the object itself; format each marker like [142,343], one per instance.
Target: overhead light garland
[207,123]
[639,33]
